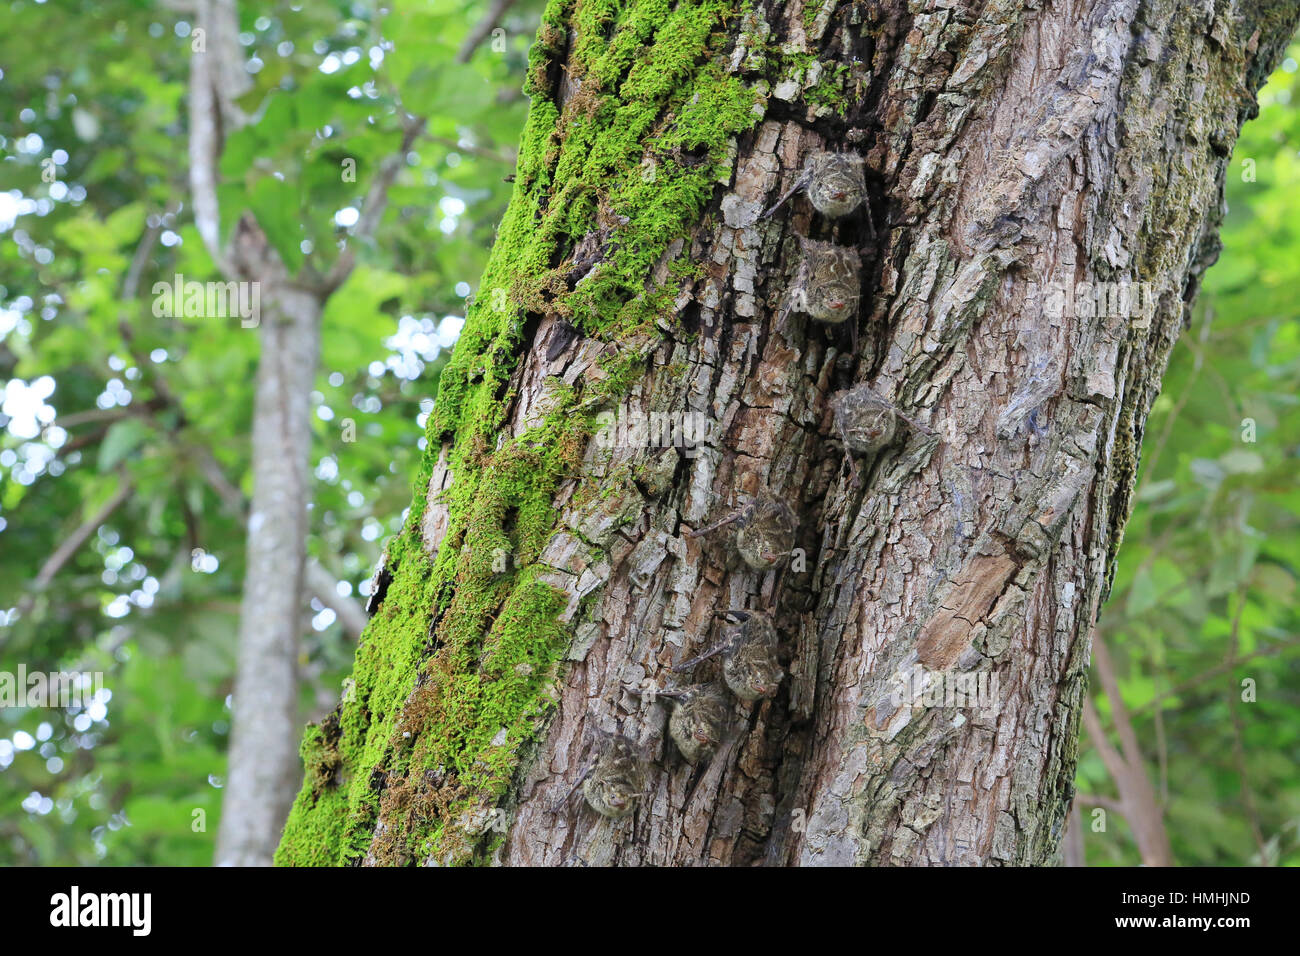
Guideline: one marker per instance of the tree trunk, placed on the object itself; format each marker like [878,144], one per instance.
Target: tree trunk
[263,767]
[1019,162]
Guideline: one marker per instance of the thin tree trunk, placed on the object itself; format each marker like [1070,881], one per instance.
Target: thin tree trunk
[263,767]
[1011,152]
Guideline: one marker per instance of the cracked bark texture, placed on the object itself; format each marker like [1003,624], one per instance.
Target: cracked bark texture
[1010,147]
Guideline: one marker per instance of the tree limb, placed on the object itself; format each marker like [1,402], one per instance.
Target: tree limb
[1137,796]
[1216,671]
[72,544]
[372,207]
[323,586]
[482,29]
[480,151]
[217,78]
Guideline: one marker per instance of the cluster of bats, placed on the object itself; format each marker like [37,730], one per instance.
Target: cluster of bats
[827,287]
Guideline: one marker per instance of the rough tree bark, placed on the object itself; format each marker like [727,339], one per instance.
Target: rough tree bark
[1012,149]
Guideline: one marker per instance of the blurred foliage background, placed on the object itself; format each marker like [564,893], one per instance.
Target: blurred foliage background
[1203,609]
[124,433]
[103,399]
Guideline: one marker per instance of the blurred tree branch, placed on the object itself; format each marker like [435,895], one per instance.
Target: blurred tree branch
[1128,770]
[482,29]
[217,79]
[372,208]
[72,544]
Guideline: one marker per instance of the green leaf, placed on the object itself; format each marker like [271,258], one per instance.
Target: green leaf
[121,439]
[1143,594]
[275,204]
[126,224]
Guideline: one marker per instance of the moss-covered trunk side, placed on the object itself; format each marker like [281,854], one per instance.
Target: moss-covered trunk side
[1019,160]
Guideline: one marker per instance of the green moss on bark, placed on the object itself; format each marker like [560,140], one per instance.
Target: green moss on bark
[455,674]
